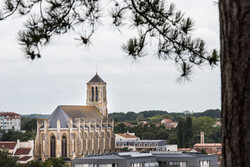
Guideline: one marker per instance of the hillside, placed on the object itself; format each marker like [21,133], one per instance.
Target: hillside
[155,115]
[37,116]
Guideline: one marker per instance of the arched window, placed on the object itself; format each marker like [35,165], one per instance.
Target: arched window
[52,146]
[64,146]
[96,94]
[93,94]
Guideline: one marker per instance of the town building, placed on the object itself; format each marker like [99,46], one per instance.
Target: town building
[168,147]
[152,159]
[126,136]
[76,131]
[169,124]
[139,145]
[127,159]
[210,148]
[10,121]
[22,150]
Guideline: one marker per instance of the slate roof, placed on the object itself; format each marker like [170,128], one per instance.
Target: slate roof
[96,78]
[64,112]
[7,145]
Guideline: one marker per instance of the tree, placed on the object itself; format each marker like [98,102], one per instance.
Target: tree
[125,149]
[6,160]
[171,29]
[28,123]
[203,151]
[180,128]
[235,75]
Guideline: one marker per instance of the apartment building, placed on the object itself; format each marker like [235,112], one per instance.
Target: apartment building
[9,121]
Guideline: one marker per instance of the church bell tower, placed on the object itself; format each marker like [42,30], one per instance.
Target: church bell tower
[97,95]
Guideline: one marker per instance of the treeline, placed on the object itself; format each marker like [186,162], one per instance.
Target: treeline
[156,115]
[186,134]
[37,116]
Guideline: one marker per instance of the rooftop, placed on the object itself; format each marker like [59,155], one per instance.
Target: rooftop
[64,112]
[125,135]
[96,78]
[25,158]
[141,141]
[7,145]
[22,151]
[9,114]
[208,145]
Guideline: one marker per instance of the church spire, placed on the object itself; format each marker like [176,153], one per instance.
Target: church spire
[96,78]
[97,94]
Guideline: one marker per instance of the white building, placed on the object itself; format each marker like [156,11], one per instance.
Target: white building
[9,121]
[22,150]
[126,136]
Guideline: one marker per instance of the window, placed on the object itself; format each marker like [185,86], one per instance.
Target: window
[204,163]
[177,164]
[96,94]
[52,146]
[64,146]
[93,94]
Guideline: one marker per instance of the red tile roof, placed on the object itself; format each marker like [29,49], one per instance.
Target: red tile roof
[25,158]
[167,120]
[126,135]
[9,114]
[7,145]
[22,151]
[185,149]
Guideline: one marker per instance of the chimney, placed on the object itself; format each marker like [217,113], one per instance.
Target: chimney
[202,138]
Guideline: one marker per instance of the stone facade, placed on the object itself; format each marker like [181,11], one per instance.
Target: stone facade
[76,131]
[97,95]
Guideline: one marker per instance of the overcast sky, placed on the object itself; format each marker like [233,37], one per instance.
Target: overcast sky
[60,76]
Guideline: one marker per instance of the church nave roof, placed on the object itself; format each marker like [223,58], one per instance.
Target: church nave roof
[64,112]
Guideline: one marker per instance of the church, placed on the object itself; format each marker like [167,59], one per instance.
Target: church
[76,131]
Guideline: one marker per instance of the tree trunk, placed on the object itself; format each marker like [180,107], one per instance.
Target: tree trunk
[235,73]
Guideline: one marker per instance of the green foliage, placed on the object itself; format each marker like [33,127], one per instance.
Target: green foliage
[203,151]
[157,115]
[6,160]
[132,116]
[14,135]
[172,138]
[28,124]
[206,125]
[180,129]
[148,131]
[212,113]
[120,128]
[37,116]
[157,118]
[186,134]
[125,149]
[58,162]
